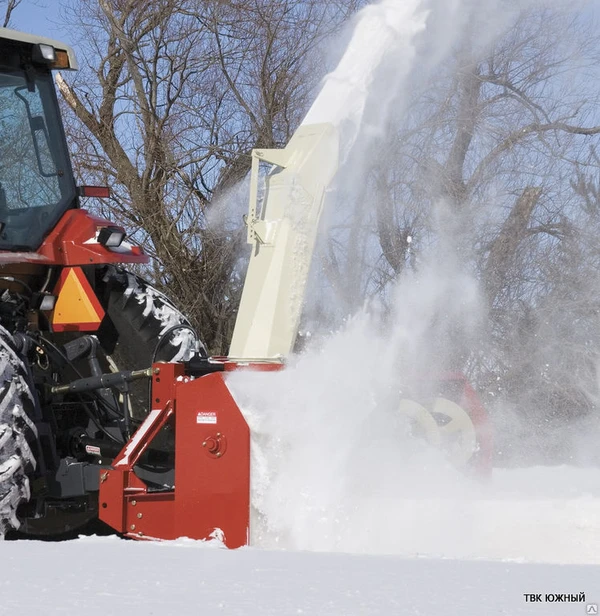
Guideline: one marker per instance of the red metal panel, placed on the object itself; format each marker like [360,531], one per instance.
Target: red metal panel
[212,466]
[150,516]
[72,242]
[212,462]
[120,487]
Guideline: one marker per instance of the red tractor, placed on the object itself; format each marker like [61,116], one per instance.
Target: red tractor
[69,314]
[109,405]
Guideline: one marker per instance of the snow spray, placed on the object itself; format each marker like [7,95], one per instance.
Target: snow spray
[334,467]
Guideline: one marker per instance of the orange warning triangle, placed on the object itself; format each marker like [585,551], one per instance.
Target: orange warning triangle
[77,307]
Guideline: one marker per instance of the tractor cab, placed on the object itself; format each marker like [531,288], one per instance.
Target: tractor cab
[36,179]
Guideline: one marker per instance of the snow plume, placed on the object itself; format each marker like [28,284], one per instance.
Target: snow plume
[394,46]
[335,468]
[332,458]
[335,465]
[382,30]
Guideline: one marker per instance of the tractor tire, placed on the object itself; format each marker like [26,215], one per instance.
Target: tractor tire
[143,326]
[17,431]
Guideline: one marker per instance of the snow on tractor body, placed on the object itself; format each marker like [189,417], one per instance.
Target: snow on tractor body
[109,405]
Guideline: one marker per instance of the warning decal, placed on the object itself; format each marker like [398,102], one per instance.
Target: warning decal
[206,417]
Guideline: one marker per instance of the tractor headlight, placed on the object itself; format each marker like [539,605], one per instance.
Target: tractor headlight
[44,53]
[111,237]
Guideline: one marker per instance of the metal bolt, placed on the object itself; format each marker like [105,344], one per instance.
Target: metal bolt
[132,527]
[104,476]
[156,370]
[140,534]
[218,434]
[134,503]
[139,515]
[218,454]
[204,444]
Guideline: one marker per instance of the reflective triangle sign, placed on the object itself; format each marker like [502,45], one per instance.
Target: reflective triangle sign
[77,307]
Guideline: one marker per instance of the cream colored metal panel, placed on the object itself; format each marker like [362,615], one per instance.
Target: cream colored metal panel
[14,35]
[282,231]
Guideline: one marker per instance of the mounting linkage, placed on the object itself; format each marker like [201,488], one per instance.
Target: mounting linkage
[111,380]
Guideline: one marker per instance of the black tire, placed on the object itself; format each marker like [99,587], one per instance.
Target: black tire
[143,326]
[17,431]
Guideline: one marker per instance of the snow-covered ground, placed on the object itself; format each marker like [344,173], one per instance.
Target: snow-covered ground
[538,518]
[100,576]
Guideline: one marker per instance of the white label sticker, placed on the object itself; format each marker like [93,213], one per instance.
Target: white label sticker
[206,417]
[93,450]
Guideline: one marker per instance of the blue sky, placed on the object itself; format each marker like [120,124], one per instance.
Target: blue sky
[43,17]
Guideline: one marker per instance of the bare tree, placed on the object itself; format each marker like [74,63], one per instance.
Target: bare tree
[493,157]
[174,96]
[11,5]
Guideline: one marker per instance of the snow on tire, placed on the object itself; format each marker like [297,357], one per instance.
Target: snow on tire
[149,325]
[16,432]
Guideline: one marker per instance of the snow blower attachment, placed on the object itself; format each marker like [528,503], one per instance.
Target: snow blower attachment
[210,496]
[211,492]
[110,408]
